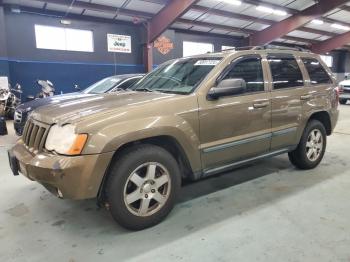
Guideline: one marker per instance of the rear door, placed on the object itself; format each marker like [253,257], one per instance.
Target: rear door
[287,90]
[319,87]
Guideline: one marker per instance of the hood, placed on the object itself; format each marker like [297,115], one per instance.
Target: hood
[34,104]
[345,83]
[79,109]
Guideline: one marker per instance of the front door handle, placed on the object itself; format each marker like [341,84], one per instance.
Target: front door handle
[261,105]
[305,97]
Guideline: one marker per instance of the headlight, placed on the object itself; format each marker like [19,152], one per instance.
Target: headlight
[63,140]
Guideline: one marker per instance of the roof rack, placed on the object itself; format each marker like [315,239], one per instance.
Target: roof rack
[265,47]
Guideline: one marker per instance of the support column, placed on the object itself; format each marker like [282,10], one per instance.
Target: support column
[148,52]
[4,67]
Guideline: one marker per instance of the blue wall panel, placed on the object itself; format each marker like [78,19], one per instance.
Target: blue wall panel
[4,68]
[64,75]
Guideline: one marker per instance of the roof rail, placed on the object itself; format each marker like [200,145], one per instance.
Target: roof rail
[265,47]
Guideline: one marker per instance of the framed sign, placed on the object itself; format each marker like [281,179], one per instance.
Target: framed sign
[163,45]
[119,43]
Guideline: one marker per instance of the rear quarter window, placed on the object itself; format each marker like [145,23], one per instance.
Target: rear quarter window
[318,75]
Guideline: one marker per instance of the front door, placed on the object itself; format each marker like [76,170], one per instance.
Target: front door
[237,127]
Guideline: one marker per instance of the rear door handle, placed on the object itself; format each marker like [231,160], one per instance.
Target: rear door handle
[261,105]
[305,97]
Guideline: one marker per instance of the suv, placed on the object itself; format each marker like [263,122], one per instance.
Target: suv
[188,119]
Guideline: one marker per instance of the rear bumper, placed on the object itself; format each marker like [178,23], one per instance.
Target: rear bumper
[334,116]
[77,177]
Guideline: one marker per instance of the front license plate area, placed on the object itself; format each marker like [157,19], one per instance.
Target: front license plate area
[14,165]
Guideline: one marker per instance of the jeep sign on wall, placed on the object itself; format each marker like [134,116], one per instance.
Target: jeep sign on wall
[119,43]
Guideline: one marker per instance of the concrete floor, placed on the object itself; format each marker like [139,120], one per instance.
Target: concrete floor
[268,211]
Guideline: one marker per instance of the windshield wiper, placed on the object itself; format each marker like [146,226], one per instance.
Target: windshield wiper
[170,92]
[144,89]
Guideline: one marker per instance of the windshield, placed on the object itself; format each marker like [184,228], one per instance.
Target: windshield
[102,86]
[181,76]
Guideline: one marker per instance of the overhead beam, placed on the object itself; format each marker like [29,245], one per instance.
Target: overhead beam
[290,10]
[239,30]
[167,16]
[294,22]
[254,19]
[99,8]
[212,25]
[332,43]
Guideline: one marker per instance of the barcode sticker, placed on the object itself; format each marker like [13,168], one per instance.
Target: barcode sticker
[207,62]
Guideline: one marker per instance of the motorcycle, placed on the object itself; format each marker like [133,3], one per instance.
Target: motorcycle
[9,101]
[47,89]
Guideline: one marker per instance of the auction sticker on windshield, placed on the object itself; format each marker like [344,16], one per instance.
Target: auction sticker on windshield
[207,62]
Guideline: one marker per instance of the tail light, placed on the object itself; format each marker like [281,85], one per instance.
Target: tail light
[337,92]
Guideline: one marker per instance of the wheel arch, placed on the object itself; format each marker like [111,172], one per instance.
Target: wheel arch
[167,142]
[324,118]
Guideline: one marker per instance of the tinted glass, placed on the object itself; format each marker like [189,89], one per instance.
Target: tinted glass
[249,69]
[318,75]
[127,84]
[102,86]
[285,72]
[180,76]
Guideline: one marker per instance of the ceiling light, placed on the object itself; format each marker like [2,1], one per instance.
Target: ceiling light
[280,12]
[264,9]
[317,22]
[65,22]
[232,2]
[269,10]
[341,27]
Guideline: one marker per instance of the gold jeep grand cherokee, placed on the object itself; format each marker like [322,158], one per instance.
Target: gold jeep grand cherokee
[190,118]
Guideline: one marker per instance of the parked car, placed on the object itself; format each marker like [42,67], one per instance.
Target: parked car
[344,90]
[109,84]
[188,119]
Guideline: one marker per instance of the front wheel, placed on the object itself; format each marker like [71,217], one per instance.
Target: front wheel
[142,186]
[311,148]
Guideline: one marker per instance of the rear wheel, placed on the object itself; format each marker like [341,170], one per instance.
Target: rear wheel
[343,101]
[311,148]
[142,186]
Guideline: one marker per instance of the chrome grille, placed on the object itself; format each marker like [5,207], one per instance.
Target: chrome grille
[18,116]
[34,136]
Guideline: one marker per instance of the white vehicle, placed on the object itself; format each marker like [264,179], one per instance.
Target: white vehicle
[344,91]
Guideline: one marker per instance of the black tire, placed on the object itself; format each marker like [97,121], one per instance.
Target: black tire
[298,157]
[118,181]
[343,101]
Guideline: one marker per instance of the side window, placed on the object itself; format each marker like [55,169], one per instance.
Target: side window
[249,69]
[285,72]
[127,84]
[318,75]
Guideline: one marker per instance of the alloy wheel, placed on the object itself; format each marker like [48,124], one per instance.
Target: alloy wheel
[314,145]
[147,189]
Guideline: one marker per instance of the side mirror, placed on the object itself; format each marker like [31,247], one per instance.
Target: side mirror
[227,87]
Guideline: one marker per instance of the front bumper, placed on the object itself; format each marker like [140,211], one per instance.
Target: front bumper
[77,177]
[344,96]
[18,127]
